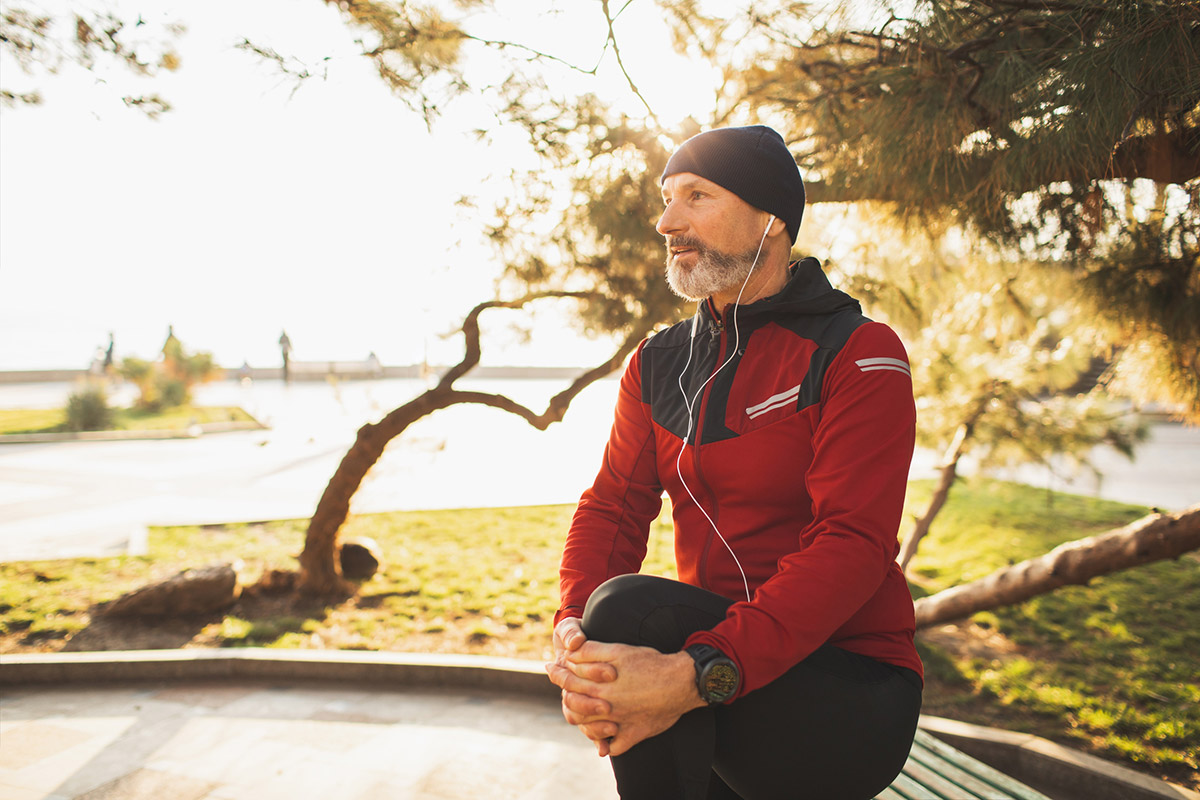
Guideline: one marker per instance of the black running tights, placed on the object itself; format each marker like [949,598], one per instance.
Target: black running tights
[837,726]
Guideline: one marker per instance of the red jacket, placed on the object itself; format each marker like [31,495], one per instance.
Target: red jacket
[805,439]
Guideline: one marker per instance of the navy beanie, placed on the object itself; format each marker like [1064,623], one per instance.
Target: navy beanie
[753,163]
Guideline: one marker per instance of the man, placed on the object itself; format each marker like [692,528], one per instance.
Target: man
[780,422]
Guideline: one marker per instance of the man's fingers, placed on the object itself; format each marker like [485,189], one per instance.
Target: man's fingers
[599,731]
[566,678]
[592,650]
[580,708]
[594,671]
[570,633]
[559,674]
[621,743]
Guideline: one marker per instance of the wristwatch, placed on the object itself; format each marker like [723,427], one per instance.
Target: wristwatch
[717,677]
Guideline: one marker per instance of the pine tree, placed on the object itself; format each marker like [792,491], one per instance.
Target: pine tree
[1067,131]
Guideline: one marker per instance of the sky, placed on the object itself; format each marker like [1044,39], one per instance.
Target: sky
[254,207]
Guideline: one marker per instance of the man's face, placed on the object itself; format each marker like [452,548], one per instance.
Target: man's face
[712,236]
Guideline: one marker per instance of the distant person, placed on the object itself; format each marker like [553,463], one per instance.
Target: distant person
[171,345]
[108,355]
[285,347]
[780,421]
[374,367]
[244,373]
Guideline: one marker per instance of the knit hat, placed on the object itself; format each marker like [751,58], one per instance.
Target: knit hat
[753,163]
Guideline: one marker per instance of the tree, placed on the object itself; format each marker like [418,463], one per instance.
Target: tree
[43,44]
[320,569]
[597,184]
[997,349]
[1151,538]
[1065,131]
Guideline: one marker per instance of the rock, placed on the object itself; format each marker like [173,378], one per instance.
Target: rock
[274,581]
[193,591]
[361,557]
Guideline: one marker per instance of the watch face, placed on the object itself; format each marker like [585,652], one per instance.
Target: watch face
[721,681]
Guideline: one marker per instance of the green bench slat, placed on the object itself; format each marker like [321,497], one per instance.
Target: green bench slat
[922,757]
[992,776]
[909,789]
[937,771]
[945,785]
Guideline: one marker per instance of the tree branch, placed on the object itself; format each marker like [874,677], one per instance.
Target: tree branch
[1151,538]
[470,329]
[612,39]
[1172,157]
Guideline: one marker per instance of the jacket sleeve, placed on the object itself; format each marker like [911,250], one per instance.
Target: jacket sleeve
[862,449]
[612,521]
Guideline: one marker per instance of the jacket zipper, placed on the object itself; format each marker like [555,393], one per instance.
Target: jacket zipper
[718,330]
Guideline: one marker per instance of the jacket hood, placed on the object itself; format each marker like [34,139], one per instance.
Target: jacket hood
[807,291]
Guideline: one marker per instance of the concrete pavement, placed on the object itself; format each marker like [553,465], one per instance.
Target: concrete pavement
[459,729]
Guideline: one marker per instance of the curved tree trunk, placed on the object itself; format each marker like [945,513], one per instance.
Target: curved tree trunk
[320,570]
[1151,538]
[948,471]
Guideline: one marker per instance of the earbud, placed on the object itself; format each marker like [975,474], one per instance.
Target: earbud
[768,228]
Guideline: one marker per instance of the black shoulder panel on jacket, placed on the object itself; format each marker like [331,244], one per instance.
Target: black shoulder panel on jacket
[668,354]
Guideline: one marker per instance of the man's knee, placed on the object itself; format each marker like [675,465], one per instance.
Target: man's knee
[615,611]
[650,611]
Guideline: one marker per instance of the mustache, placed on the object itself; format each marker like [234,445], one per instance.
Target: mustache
[685,241]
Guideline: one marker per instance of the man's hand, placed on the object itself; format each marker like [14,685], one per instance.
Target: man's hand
[568,636]
[632,693]
[586,712]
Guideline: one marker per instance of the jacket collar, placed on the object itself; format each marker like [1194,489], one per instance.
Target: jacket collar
[807,292]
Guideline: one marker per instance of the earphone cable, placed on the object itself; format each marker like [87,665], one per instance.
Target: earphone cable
[690,404]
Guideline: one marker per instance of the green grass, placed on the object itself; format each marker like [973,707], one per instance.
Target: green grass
[54,420]
[1110,667]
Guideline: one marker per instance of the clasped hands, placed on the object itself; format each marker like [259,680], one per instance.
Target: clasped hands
[619,695]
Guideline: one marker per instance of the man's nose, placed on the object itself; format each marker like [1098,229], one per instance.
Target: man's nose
[672,222]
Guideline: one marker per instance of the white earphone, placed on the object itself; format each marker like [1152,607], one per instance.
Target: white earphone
[691,404]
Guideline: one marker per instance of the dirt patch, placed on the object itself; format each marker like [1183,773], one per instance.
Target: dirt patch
[968,640]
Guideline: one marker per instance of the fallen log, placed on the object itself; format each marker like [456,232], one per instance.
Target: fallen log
[1152,538]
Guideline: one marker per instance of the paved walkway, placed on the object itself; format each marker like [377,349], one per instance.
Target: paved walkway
[244,740]
[258,724]
[71,499]
[96,498]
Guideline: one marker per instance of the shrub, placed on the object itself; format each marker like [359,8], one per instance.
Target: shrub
[87,409]
[167,383]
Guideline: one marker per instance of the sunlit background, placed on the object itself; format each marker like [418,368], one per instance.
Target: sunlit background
[259,204]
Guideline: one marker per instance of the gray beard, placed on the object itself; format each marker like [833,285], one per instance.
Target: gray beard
[715,271]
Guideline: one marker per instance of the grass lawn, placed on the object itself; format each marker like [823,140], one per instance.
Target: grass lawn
[1109,668]
[54,420]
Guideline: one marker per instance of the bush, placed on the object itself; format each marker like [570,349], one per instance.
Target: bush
[168,383]
[87,409]
[172,392]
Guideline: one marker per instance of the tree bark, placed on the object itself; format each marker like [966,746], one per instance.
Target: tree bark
[948,472]
[1151,538]
[320,570]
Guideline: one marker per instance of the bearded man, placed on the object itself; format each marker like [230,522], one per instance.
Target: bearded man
[780,422]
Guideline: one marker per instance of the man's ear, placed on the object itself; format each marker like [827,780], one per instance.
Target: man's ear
[775,227]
